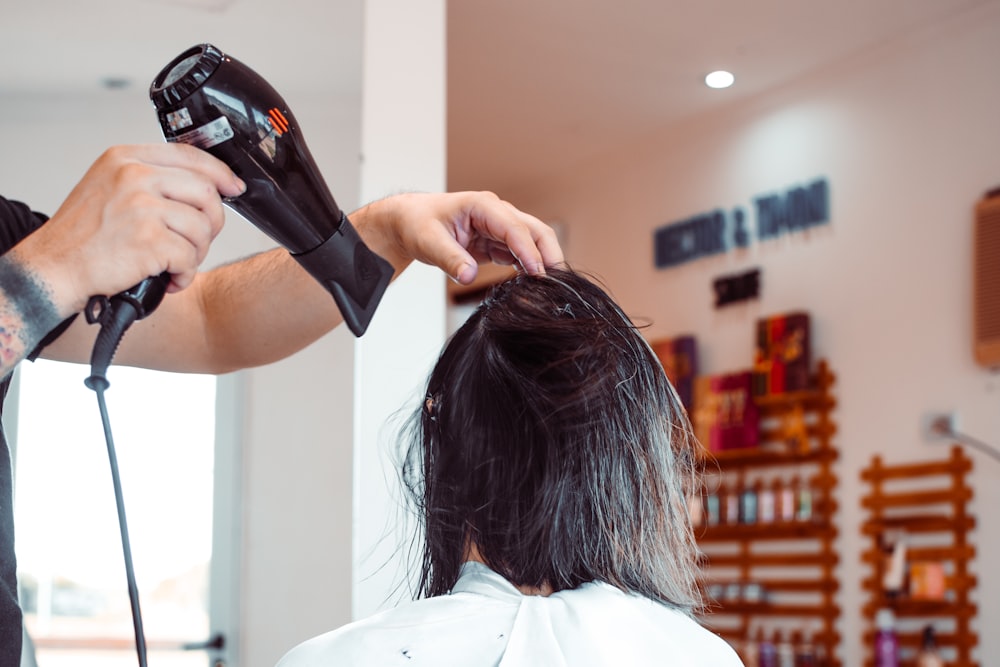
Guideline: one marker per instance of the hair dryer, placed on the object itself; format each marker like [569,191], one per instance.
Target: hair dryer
[208,99]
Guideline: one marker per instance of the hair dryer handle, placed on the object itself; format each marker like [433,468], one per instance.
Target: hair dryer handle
[351,272]
[146,295]
[116,315]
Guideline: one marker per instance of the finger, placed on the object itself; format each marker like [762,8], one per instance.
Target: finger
[544,241]
[520,241]
[488,250]
[547,242]
[530,241]
[195,192]
[167,236]
[189,158]
[499,254]
[435,245]
[192,225]
[180,253]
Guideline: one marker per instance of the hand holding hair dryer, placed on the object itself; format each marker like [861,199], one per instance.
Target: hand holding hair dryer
[210,100]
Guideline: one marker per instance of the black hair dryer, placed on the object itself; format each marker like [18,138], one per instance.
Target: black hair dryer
[208,99]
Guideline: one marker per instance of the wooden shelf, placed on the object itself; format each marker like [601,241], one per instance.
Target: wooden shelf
[762,457]
[935,515]
[789,563]
[782,530]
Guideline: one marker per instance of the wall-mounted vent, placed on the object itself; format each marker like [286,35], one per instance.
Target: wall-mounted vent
[986,272]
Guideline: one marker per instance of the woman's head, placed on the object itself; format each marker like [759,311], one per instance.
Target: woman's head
[552,440]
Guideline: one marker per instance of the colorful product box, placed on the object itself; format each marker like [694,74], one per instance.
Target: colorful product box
[782,354]
[725,416]
[928,581]
[679,357]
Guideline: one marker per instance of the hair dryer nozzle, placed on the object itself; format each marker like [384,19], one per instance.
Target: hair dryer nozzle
[206,98]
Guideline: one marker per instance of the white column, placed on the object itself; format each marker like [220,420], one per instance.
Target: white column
[403,149]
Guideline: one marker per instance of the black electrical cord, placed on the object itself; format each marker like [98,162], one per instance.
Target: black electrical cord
[133,590]
[115,318]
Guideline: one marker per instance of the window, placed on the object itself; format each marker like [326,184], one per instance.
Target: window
[70,561]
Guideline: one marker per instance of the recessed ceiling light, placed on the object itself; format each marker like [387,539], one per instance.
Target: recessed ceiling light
[719,79]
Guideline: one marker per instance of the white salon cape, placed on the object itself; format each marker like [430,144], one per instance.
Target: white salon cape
[487,622]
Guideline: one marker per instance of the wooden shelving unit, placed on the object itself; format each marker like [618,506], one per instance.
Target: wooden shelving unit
[928,502]
[787,565]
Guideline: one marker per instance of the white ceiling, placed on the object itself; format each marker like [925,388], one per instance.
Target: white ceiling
[534,85]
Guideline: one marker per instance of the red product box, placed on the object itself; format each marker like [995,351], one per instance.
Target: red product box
[725,416]
[782,354]
[679,357]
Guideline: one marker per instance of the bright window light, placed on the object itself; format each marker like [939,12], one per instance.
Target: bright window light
[719,79]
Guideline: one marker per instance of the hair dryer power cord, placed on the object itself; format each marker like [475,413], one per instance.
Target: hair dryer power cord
[113,327]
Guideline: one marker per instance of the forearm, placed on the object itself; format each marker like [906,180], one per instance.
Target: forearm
[245,314]
[248,313]
[27,311]
[264,308]
[267,307]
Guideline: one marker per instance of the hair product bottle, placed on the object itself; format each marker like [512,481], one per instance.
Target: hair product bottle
[696,510]
[751,648]
[767,652]
[786,651]
[929,655]
[731,498]
[766,503]
[805,652]
[713,513]
[886,642]
[749,503]
[804,503]
[787,501]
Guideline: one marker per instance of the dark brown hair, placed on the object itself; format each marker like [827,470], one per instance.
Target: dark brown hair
[551,438]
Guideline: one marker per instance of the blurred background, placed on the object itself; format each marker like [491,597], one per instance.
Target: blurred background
[594,117]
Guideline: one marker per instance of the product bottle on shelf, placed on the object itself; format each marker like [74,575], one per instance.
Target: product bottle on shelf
[804,503]
[886,641]
[750,652]
[731,497]
[805,652]
[929,655]
[786,651]
[787,503]
[713,512]
[819,651]
[696,510]
[749,503]
[894,576]
[767,652]
[766,502]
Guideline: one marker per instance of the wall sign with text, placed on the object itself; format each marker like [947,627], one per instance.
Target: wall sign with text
[719,230]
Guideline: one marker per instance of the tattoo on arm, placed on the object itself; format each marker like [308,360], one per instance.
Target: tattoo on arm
[27,313]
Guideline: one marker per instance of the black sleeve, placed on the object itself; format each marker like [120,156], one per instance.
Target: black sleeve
[16,222]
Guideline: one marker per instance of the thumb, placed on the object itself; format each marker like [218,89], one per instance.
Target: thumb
[461,268]
[434,245]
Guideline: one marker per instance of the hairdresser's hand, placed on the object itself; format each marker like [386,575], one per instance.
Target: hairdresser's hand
[138,211]
[457,231]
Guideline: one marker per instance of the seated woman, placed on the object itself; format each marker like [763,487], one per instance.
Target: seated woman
[550,464]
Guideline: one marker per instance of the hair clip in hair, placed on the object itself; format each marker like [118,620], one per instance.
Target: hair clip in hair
[431,405]
[564,310]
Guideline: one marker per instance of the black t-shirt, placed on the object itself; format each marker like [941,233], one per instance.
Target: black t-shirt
[16,222]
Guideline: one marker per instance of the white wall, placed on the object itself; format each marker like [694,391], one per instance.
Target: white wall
[298,425]
[403,141]
[907,137]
